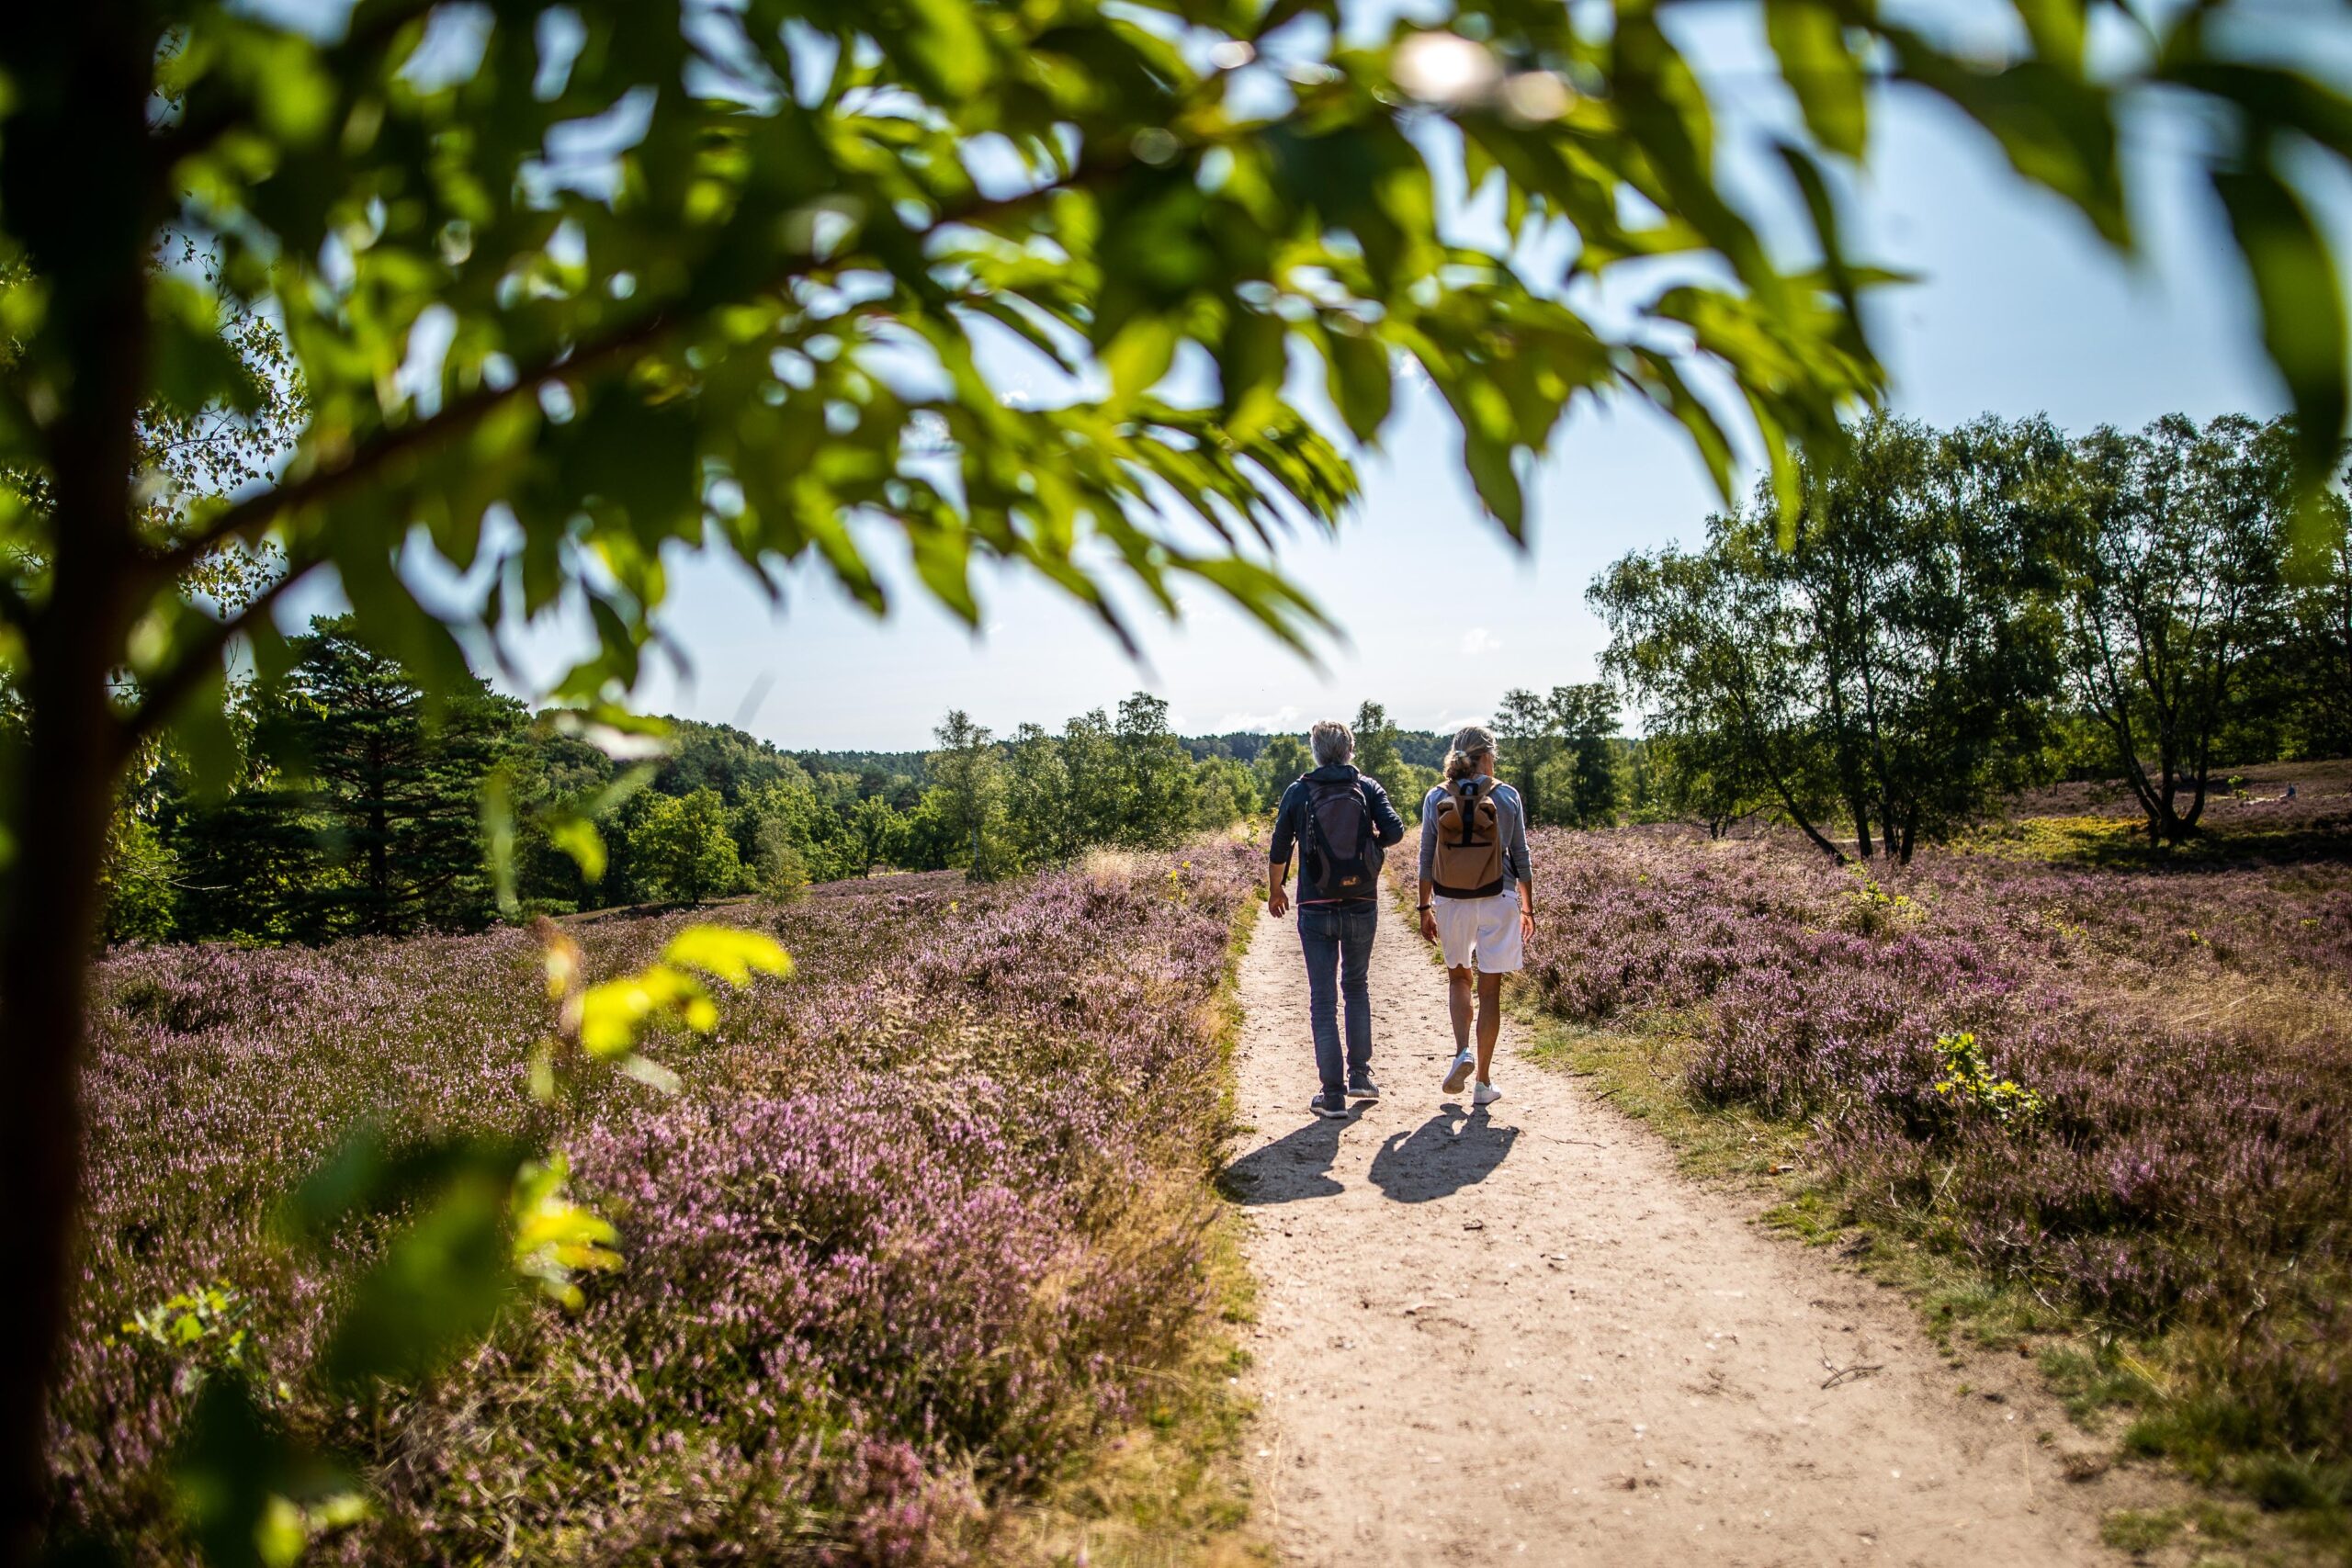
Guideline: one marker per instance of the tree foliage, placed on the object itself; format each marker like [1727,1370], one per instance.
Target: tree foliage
[2177,586]
[1946,603]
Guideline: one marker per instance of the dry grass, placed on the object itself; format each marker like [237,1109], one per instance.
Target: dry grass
[1108,869]
[1172,1491]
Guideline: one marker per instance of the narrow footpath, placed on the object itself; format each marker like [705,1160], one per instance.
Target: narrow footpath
[1516,1335]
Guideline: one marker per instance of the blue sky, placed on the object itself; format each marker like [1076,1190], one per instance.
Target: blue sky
[2019,309]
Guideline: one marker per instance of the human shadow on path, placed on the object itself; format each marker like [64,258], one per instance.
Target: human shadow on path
[1439,1158]
[1296,1165]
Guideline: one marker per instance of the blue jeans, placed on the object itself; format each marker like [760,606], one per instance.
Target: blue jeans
[1337,937]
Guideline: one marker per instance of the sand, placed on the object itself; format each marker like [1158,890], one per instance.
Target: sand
[1517,1335]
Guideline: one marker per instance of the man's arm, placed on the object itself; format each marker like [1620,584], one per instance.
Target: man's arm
[1387,827]
[1278,857]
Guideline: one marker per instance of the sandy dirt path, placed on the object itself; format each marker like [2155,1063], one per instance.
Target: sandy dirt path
[1516,1335]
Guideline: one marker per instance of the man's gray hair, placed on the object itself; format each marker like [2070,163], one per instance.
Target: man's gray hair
[1333,741]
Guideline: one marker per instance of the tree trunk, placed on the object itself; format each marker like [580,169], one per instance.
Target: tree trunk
[50,923]
[1789,803]
[1861,816]
[90,112]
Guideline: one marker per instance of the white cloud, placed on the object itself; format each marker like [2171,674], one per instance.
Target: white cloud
[1478,640]
[1261,723]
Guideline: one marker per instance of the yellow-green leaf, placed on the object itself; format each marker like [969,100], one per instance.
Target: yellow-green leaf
[725,953]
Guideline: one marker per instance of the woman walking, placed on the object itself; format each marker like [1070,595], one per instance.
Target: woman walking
[1477,898]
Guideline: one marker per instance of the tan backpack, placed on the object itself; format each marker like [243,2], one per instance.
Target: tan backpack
[1469,861]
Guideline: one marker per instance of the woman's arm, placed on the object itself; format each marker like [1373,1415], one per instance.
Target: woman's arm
[1517,865]
[1429,845]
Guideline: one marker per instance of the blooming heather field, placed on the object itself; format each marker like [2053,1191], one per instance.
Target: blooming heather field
[927,1219]
[2122,1089]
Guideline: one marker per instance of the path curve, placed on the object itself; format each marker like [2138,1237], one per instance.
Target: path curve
[1518,1335]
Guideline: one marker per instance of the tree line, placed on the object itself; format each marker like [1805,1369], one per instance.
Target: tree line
[357,802]
[360,804]
[1946,616]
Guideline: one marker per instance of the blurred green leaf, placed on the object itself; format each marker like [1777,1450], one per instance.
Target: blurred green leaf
[440,1282]
[2058,28]
[498,838]
[2300,295]
[555,1237]
[1359,380]
[2057,127]
[615,1014]
[1822,71]
[575,834]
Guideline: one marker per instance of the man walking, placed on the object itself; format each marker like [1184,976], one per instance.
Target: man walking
[1340,820]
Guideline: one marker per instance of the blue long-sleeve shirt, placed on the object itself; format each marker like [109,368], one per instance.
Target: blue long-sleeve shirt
[1290,826]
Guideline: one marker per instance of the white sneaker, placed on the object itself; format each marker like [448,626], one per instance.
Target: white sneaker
[1485,1094]
[1459,1074]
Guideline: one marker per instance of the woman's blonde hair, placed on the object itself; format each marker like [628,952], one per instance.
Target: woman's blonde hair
[1471,742]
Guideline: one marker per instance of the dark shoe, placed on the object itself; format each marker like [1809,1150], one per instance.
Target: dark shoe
[1361,1087]
[1331,1107]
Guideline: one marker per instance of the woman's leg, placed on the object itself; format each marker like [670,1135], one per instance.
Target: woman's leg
[1490,1021]
[1459,983]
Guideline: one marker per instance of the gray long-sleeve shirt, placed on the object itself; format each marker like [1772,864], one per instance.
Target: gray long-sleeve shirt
[1510,826]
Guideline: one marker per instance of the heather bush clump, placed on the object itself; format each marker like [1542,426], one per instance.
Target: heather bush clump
[924,1221]
[2129,1090]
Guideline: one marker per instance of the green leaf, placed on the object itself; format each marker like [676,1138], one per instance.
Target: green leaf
[576,836]
[1140,356]
[617,1014]
[2057,128]
[2295,284]
[498,838]
[2058,30]
[232,1459]
[1250,357]
[1822,208]
[946,42]
[439,1284]
[1823,74]
[1359,380]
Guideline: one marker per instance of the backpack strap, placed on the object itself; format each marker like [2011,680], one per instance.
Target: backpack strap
[1466,808]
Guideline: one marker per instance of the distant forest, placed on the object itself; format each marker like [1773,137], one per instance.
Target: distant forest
[356,805]
[1941,620]
[1421,747]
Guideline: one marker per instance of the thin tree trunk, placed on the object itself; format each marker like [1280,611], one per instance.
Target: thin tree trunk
[1788,803]
[1861,816]
[52,916]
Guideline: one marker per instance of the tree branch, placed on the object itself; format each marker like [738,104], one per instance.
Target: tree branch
[249,516]
[173,686]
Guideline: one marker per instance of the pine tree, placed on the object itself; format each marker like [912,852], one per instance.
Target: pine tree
[390,788]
